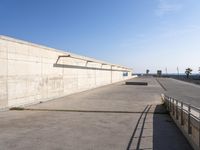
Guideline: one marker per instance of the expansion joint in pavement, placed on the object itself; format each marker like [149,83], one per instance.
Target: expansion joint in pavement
[161,85]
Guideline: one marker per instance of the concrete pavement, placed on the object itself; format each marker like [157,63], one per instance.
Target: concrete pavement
[187,92]
[116,97]
[114,117]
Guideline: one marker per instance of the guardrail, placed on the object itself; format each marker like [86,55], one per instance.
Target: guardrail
[187,118]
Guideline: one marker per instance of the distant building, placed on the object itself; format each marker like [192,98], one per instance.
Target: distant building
[147,71]
[159,73]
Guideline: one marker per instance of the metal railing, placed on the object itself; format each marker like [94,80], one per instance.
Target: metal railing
[119,68]
[187,116]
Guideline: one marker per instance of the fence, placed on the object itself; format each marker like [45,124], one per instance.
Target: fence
[187,118]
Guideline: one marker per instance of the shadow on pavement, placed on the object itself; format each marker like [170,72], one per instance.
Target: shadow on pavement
[166,135]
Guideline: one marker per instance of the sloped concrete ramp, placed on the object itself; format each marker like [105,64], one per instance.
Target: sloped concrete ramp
[114,117]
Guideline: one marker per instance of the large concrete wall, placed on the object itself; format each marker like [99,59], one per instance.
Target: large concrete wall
[31,73]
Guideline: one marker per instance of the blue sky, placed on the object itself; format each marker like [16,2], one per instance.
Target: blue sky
[141,34]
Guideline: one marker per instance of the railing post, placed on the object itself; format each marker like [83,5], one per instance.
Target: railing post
[176,110]
[167,100]
[170,105]
[181,113]
[189,111]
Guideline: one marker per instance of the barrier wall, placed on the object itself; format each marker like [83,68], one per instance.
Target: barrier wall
[31,73]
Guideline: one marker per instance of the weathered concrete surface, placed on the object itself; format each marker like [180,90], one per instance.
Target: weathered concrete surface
[30,73]
[117,124]
[117,97]
[187,92]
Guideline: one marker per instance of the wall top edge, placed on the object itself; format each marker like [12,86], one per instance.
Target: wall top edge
[7,38]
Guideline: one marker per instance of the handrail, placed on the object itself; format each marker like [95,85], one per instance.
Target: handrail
[184,103]
[87,60]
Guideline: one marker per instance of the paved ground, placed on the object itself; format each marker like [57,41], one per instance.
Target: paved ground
[187,92]
[115,117]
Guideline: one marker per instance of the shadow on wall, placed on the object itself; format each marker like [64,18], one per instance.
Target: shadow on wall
[166,135]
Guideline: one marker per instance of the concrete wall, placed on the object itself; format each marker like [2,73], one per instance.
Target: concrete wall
[30,73]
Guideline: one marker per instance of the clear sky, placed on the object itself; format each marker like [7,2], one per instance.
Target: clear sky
[142,34]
